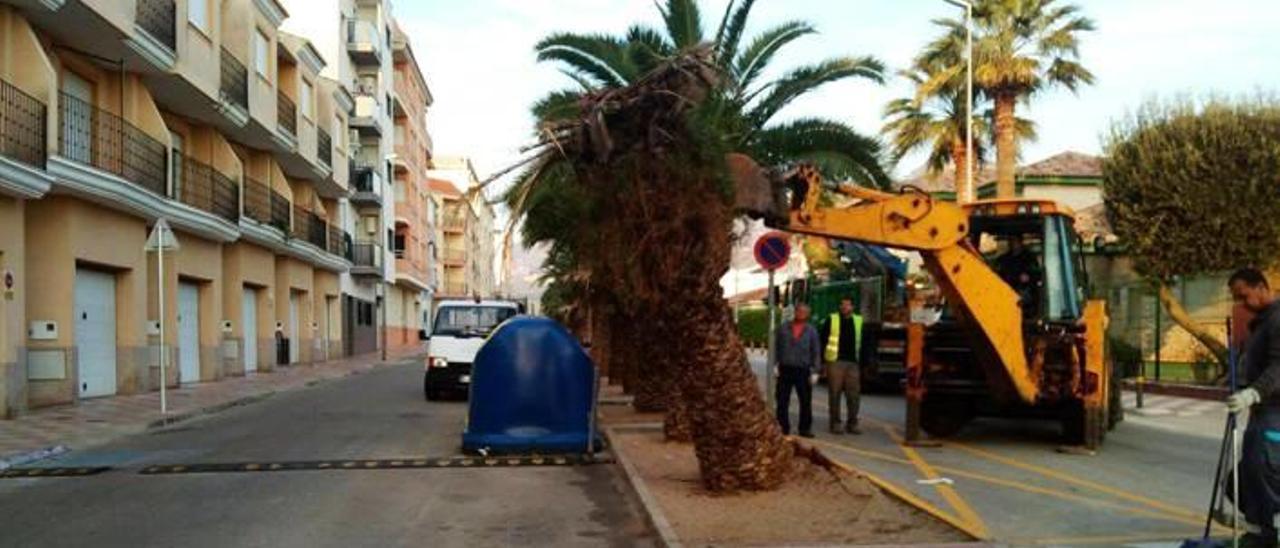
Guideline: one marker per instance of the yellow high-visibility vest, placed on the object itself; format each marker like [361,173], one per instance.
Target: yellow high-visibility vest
[833,339]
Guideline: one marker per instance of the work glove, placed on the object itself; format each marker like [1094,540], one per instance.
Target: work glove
[1243,399]
[813,379]
[775,372]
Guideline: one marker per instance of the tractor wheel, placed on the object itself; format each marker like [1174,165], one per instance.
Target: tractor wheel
[945,416]
[1083,426]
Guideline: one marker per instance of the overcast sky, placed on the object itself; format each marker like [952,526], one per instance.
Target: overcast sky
[478,59]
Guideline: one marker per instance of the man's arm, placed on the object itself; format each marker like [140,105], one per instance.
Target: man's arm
[815,350]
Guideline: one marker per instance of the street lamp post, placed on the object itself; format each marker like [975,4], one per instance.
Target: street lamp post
[968,193]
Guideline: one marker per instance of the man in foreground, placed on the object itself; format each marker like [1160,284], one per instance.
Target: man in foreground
[842,334]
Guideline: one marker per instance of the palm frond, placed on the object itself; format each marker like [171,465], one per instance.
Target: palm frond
[806,79]
[842,151]
[760,51]
[600,58]
[684,22]
[732,29]
[558,105]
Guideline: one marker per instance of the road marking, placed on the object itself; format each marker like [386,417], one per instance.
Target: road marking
[375,464]
[962,508]
[1062,476]
[1103,540]
[1034,489]
[62,472]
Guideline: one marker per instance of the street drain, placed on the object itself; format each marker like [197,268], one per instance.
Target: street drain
[42,472]
[378,464]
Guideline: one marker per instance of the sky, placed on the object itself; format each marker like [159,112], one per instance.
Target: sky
[478,59]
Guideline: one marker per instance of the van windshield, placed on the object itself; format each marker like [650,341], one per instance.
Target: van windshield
[468,321]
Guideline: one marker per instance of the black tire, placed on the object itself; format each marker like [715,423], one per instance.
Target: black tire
[1083,426]
[429,392]
[945,416]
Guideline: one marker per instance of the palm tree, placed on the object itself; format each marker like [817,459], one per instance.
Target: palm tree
[675,196]
[936,123]
[1020,47]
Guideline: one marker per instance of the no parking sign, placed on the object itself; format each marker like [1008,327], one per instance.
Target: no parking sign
[772,250]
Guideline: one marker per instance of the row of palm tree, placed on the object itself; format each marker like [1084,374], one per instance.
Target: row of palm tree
[600,225]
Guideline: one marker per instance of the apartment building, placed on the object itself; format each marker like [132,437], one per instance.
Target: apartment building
[451,235]
[258,146]
[467,228]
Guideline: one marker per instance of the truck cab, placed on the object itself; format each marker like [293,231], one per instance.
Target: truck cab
[458,331]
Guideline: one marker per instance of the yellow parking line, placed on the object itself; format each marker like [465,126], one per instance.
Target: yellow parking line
[1144,512]
[1105,540]
[948,492]
[1062,476]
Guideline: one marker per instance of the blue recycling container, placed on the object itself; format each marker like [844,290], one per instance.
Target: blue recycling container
[532,391]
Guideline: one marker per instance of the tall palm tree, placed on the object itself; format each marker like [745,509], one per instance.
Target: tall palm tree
[936,123]
[1020,47]
[737,443]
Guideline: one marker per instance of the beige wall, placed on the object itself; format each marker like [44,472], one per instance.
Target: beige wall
[262,90]
[23,64]
[293,276]
[247,265]
[13,377]
[199,50]
[199,261]
[328,316]
[69,233]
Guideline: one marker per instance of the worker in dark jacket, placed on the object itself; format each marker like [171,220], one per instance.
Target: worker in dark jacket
[1259,498]
[842,335]
[798,357]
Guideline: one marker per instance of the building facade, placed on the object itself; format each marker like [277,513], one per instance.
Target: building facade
[467,230]
[211,115]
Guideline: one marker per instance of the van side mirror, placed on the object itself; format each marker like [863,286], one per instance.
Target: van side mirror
[423,336]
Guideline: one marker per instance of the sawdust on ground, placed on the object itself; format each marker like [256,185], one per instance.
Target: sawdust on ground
[817,507]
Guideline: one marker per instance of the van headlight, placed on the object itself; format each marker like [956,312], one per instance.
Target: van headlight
[439,362]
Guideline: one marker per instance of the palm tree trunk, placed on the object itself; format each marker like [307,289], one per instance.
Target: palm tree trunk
[676,425]
[1006,145]
[653,369]
[960,159]
[1180,316]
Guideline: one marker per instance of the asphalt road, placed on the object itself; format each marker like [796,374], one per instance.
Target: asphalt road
[380,414]
[1147,486]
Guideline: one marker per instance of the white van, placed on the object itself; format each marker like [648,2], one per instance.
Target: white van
[459,330]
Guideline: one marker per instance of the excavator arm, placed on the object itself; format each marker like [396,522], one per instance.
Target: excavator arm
[938,230]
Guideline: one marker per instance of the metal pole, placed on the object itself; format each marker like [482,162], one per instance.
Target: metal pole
[384,320]
[769,357]
[1157,337]
[970,191]
[164,403]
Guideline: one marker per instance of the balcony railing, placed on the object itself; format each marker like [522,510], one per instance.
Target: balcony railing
[309,227]
[235,80]
[199,185]
[286,114]
[22,126]
[257,200]
[324,148]
[366,254]
[95,137]
[279,211]
[157,17]
[454,222]
[339,242]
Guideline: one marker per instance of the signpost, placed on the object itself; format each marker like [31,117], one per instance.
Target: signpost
[161,240]
[772,251]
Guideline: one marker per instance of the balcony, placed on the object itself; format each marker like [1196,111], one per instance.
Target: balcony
[324,148]
[367,113]
[22,127]
[454,256]
[199,185]
[364,42]
[95,137]
[454,223]
[367,186]
[366,259]
[309,227]
[339,242]
[234,85]
[286,115]
[257,201]
[158,18]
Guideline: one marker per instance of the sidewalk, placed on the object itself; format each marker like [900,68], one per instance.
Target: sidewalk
[96,421]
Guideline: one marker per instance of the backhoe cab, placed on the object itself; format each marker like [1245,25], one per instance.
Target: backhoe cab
[1019,337]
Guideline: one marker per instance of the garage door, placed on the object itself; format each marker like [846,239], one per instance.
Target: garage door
[293,328]
[189,332]
[95,316]
[249,323]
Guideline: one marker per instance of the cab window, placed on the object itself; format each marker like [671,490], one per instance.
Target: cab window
[463,321]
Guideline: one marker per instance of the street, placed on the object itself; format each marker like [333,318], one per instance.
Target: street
[379,414]
[1148,485]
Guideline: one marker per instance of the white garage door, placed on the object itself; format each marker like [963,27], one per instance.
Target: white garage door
[249,327]
[95,316]
[189,332]
[293,328]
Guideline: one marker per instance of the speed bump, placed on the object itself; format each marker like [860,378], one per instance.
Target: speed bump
[65,472]
[378,464]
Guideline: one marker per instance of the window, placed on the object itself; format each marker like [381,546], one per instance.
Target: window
[308,103]
[175,162]
[262,54]
[198,14]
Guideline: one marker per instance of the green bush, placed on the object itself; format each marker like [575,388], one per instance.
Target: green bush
[753,325]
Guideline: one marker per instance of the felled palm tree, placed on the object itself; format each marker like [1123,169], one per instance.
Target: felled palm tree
[676,103]
[1021,47]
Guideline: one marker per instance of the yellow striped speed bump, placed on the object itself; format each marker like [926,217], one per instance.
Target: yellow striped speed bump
[63,472]
[376,464]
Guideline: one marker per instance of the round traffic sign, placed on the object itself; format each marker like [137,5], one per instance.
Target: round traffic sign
[772,250]
[8,279]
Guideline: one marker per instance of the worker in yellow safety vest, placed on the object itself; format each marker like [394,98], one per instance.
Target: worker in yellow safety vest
[842,333]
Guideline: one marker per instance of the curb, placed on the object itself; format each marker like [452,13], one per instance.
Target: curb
[658,520]
[19,459]
[208,410]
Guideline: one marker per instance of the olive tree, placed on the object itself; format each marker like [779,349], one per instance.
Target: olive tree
[1194,188]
